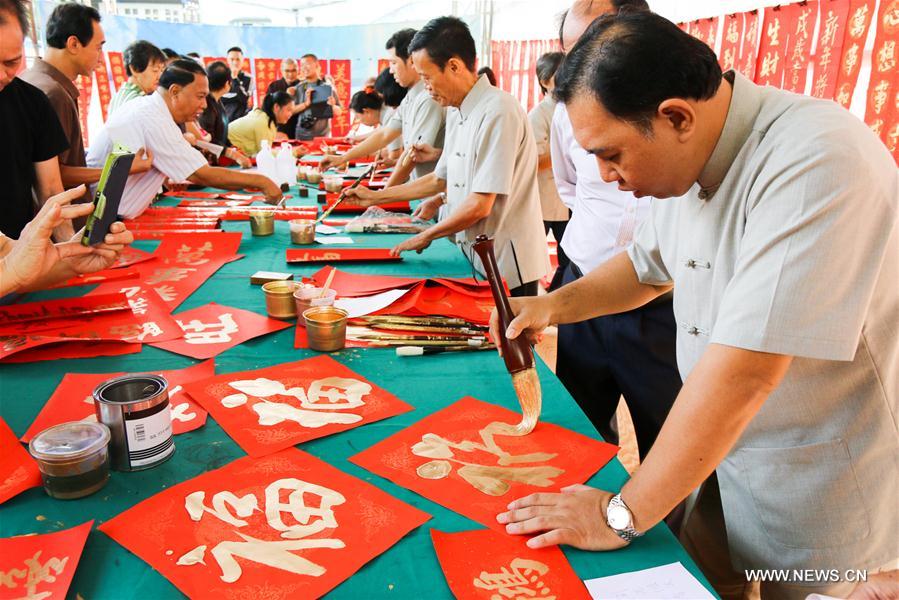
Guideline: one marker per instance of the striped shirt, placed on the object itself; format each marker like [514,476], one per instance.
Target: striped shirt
[146,123]
[129,91]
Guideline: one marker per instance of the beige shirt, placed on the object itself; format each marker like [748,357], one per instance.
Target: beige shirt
[796,252]
[490,150]
[421,120]
[551,205]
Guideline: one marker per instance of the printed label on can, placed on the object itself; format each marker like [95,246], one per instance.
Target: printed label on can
[149,439]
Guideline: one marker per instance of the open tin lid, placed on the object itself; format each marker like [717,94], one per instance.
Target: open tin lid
[69,442]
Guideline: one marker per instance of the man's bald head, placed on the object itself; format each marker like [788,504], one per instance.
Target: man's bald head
[576,19]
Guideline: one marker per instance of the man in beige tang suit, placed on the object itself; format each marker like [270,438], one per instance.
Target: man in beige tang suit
[775,222]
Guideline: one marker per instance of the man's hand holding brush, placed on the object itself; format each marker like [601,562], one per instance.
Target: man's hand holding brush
[532,316]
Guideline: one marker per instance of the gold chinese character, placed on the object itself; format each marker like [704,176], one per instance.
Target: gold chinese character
[773,30]
[857,22]
[830,29]
[886,56]
[851,58]
[521,583]
[769,64]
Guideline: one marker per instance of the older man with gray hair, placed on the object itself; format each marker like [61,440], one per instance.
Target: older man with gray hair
[290,77]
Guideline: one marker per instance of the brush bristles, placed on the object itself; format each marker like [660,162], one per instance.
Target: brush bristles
[527,388]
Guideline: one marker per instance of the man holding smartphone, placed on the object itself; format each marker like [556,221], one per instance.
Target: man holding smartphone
[316,101]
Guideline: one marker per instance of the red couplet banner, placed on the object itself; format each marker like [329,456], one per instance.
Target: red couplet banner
[104,91]
[776,26]
[834,16]
[339,70]
[881,113]
[117,67]
[799,45]
[267,71]
[861,13]
[749,48]
[85,87]
[730,41]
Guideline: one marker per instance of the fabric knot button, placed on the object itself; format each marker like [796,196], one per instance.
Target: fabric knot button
[704,194]
[691,263]
[693,330]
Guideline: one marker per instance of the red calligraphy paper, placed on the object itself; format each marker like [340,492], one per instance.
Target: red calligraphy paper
[213,328]
[72,400]
[184,261]
[270,409]
[799,45]
[706,30]
[131,256]
[348,207]
[834,17]
[38,348]
[861,13]
[508,570]
[113,274]
[267,71]
[776,25]
[749,47]
[62,309]
[356,284]
[881,113]
[458,458]
[213,203]
[117,67]
[297,255]
[283,526]
[41,566]
[18,471]
[340,72]
[730,41]
[104,92]
[84,85]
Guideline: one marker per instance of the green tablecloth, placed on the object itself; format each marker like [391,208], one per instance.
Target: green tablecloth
[410,568]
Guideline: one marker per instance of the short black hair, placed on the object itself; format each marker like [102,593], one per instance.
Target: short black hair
[399,41]
[547,65]
[140,54]
[309,55]
[491,76]
[181,72]
[444,38]
[272,100]
[634,61]
[219,75]
[235,49]
[170,54]
[193,54]
[71,19]
[367,98]
[18,10]
[617,6]
[392,92]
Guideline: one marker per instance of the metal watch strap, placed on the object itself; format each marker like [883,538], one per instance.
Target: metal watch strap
[628,533]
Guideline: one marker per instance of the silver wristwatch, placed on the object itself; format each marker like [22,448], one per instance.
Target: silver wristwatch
[620,519]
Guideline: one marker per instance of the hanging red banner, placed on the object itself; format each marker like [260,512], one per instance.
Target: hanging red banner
[881,113]
[709,29]
[730,41]
[117,68]
[104,91]
[383,63]
[267,71]
[339,70]
[85,87]
[749,47]
[777,23]
[861,13]
[799,46]
[834,17]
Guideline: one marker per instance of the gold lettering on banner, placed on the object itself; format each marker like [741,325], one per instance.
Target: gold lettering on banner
[843,97]
[769,64]
[219,332]
[193,257]
[831,25]
[773,30]
[893,137]
[851,58]
[33,575]
[521,582]
[728,59]
[732,35]
[305,520]
[886,56]
[877,126]
[881,95]
[492,480]
[857,22]
[168,274]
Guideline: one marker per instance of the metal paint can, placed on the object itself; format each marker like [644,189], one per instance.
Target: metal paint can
[136,409]
[326,328]
[279,302]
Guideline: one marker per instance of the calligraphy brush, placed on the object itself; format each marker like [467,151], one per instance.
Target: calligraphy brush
[450,343]
[408,155]
[425,329]
[419,338]
[517,353]
[421,351]
[436,321]
[342,195]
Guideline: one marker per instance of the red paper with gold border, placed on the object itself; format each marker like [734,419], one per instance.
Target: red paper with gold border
[84,85]
[117,68]
[508,570]
[18,471]
[831,31]
[861,14]
[72,400]
[776,27]
[213,328]
[184,261]
[104,91]
[41,566]
[270,409]
[799,44]
[316,525]
[424,458]
[731,38]
[339,70]
[881,113]
[299,255]
[749,47]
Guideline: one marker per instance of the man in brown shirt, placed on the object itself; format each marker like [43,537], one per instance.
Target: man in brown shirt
[74,47]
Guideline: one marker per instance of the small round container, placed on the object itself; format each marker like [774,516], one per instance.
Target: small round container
[326,328]
[279,303]
[262,222]
[333,184]
[302,231]
[313,175]
[303,191]
[135,407]
[73,458]
[306,298]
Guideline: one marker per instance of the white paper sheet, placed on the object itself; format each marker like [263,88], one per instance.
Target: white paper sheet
[671,582]
[337,239]
[326,229]
[365,305]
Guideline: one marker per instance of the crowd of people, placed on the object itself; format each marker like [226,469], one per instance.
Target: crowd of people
[716,267]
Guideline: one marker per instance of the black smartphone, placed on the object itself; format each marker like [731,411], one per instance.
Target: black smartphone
[107,197]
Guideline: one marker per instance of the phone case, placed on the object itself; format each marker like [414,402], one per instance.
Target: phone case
[108,196]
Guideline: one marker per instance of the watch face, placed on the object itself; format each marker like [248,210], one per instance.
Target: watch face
[619,517]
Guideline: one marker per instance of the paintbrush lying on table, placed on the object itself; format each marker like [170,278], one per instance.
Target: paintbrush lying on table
[422,351]
[342,195]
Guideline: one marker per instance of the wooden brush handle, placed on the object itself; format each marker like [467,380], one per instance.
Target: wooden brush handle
[517,353]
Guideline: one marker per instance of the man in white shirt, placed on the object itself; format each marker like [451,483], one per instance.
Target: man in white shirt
[488,169]
[151,122]
[631,353]
[418,120]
